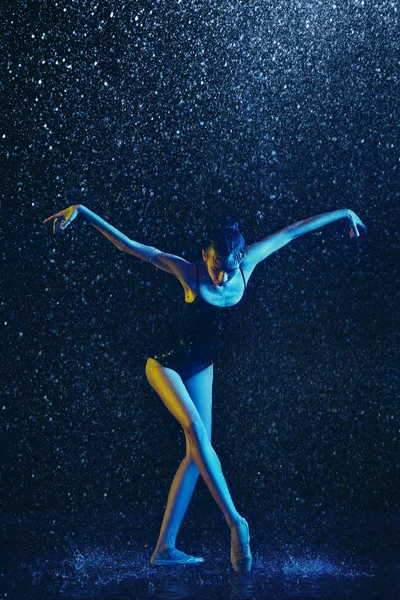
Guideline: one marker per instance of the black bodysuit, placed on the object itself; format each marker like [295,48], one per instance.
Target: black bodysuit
[197,337]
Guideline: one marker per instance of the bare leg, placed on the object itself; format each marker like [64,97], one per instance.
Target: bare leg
[169,386]
[179,496]
[199,388]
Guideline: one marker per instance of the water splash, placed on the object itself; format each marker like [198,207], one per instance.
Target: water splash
[318,566]
[98,566]
[312,565]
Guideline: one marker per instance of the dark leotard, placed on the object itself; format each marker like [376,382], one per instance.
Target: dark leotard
[195,341]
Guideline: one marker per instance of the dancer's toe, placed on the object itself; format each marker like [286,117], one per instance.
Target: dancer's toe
[241,558]
[172,556]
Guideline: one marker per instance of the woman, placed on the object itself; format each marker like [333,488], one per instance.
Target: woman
[182,373]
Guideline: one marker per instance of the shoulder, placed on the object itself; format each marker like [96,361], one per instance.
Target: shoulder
[175,265]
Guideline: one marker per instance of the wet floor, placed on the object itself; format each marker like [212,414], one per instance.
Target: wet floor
[97,574]
[65,562]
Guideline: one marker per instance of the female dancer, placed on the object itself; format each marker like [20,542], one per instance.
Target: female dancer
[182,374]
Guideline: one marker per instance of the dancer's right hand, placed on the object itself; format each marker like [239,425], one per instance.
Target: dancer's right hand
[62,219]
[355,221]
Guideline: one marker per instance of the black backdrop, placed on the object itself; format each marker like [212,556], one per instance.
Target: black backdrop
[163,118]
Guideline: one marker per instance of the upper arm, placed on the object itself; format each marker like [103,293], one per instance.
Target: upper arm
[170,263]
[257,252]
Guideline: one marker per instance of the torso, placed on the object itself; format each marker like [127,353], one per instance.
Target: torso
[198,335]
[228,295]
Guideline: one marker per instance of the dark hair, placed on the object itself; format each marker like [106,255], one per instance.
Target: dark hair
[226,242]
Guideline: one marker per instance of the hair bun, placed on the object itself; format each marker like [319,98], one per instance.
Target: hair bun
[230,224]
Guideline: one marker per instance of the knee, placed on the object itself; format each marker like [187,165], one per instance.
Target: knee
[196,433]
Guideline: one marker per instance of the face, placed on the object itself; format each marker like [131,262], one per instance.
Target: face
[218,275]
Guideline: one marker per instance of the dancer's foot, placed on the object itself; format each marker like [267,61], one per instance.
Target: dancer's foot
[172,556]
[241,558]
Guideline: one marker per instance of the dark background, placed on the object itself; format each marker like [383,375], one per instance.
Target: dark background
[163,118]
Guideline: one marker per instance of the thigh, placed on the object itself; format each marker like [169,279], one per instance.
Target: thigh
[173,392]
[200,390]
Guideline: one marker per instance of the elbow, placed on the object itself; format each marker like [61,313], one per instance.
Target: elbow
[126,245]
[120,245]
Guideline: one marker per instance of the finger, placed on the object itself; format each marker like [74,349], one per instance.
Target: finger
[361,224]
[47,220]
[56,225]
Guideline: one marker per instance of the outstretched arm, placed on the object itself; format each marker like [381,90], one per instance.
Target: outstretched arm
[260,250]
[167,262]
[115,236]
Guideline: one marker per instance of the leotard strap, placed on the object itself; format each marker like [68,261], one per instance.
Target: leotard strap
[244,281]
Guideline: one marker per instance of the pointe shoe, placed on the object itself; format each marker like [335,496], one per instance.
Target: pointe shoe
[172,556]
[241,558]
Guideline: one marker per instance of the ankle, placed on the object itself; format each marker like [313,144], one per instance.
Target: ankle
[235,522]
[161,548]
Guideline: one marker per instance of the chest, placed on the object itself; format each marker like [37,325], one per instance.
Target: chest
[225,296]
